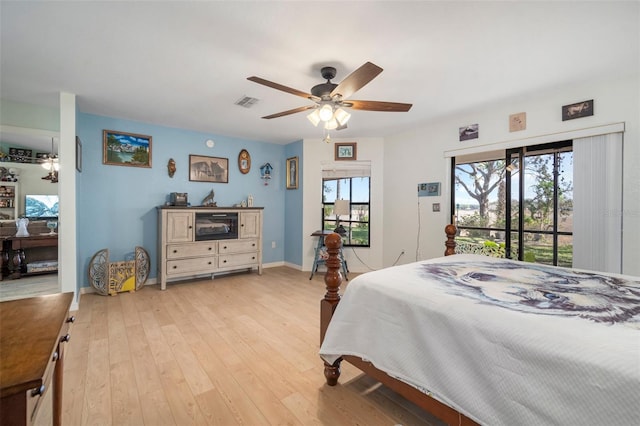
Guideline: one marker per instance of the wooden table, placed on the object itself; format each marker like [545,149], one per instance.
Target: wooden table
[32,336]
[14,257]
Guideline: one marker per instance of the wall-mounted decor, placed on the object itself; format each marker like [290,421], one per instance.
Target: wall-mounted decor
[244,161]
[19,155]
[577,110]
[265,173]
[518,122]
[431,189]
[292,173]
[435,207]
[468,132]
[208,169]
[171,167]
[78,154]
[346,151]
[126,149]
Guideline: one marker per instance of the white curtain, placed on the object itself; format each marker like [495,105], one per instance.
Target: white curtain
[597,203]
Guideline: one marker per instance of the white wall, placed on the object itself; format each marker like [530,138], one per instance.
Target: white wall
[316,153]
[418,156]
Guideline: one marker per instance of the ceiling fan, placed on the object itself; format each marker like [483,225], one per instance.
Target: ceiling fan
[329,98]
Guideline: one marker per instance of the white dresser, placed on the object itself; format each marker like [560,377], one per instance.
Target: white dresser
[195,241]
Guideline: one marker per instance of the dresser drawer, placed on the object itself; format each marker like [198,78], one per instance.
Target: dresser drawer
[238,259]
[180,251]
[194,265]
[238,246]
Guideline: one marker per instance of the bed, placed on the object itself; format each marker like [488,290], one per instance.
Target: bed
[480,340]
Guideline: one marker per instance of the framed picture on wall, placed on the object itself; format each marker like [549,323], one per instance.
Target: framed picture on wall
[346,151]
[292,173]
[208,169]
[126,149]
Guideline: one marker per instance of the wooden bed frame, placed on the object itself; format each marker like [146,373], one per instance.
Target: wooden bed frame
[333,280]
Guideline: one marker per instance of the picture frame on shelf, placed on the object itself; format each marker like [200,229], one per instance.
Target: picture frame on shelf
[292,173]
[346,151]
[126,149]
[208,169]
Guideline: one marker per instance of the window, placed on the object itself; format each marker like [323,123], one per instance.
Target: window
[519,201]
[355,190]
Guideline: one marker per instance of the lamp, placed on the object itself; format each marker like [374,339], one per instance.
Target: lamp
[341,208]
[342,116]
[326,112]
[50,163]
[314,117]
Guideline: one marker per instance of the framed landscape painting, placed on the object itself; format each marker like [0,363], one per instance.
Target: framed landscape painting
[126,149]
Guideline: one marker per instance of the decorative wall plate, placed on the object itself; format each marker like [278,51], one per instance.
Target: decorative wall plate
[244,161]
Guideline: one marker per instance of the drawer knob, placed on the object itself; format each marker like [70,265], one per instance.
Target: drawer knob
[210,248]
[71,319]
[175,251]
[55,356]
[38,391]
[65,338]
[209,263]
[174,266]
[253,258]
[224,261]
[253,245]
[225,247]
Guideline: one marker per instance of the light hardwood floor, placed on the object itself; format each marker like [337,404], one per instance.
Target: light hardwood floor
[35,285]
[237,350]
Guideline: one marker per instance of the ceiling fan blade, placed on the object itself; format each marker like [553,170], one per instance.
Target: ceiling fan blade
[379,106]
[289,112]
[280,87]
[357,80]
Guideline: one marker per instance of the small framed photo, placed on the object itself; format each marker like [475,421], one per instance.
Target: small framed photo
[78,154]
[578,110]
[435,207]
[517,122]
[292,173]
[126,149]
[208,169]
[432,189]
[346,151]
[244,162]
[468,132]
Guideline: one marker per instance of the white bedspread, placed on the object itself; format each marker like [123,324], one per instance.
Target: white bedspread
[500,352]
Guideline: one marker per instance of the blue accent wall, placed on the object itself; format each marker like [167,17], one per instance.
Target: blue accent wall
[116,205]
[293,210]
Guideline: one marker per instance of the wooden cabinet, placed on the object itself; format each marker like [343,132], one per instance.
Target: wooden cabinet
[34,333]
[196,241]
[8,201]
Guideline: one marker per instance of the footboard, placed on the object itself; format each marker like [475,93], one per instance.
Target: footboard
[333,280]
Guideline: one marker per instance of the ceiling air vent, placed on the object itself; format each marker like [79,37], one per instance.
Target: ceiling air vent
[246,101]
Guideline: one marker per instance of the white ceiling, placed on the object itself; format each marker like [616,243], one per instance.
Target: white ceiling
[184,63]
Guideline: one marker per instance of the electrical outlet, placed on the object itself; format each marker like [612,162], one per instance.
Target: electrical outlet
[402,251]
[273,244]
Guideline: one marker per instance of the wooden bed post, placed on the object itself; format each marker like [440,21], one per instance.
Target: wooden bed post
[332,280]
[451,231]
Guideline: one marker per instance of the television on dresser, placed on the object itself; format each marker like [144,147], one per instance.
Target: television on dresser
[41,207]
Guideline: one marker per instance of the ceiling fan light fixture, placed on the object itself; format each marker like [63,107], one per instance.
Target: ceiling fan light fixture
[314,117]
[331,124]
[342,116]
[326,112]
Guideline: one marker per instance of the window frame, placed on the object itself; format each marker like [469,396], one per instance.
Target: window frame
[326,220]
